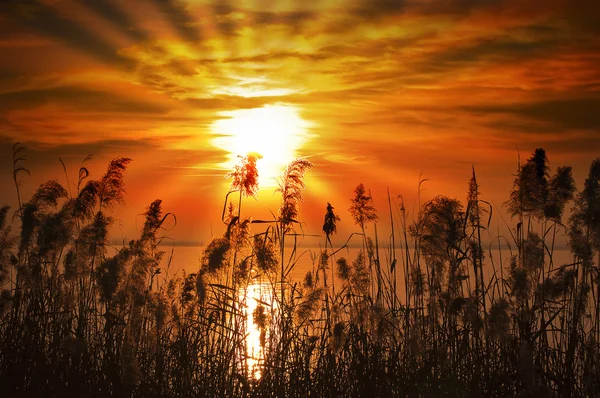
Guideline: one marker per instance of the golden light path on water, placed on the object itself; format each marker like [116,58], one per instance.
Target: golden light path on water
[274,131]
[254,295]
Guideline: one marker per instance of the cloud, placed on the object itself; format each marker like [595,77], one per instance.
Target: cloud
[393,86]
[117,18]
[42,156]
[76,98]
[180,18]
[295,21]
[557,115]
[374,9]
[31,15]
[497,49]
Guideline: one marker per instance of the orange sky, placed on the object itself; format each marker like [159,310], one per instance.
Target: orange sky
[384,90]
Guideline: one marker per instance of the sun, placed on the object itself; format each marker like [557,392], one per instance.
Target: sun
[276,132]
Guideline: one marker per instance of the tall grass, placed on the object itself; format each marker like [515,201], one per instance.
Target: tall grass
[77,321]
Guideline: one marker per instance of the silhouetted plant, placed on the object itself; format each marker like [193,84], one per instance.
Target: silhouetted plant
[111,274]
[265,253]
[361,208]
[520,282]
[331,220]
[343,269]
[111,187]
[291,186]
[125,327]
[355,277]
[7,242]
[215,254]
[586,213]
[584,240]
[309,304]
[86,200]
[238,234]
[560,190]
[360,277]
[44,199]
[530,190]
[262,320]
[200,286]
[18,159]
[440,229]
[245,175]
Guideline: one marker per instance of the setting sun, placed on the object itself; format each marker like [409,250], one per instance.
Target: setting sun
[274,131]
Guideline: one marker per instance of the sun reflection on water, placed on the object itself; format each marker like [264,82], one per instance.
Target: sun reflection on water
[255,295]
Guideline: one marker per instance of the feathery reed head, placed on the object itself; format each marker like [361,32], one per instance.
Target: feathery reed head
[330,222]
[216,254]
[111,189]
[499,319]
[361,207]
[245,175]
[265,253]
[291,186]
[343,269]
[561,189]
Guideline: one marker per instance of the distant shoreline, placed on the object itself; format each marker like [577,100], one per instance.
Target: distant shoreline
[558,246]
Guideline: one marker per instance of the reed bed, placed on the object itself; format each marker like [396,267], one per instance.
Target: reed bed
[433,310]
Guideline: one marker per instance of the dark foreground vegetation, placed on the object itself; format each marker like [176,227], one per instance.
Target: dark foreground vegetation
[414,314]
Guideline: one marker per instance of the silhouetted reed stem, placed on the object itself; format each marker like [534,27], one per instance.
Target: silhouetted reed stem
[128,329]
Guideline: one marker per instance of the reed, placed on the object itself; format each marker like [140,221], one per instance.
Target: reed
[77,321]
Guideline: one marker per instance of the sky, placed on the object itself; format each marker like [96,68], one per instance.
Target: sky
[380,92]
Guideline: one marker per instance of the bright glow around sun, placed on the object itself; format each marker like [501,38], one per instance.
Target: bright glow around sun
[274,131]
